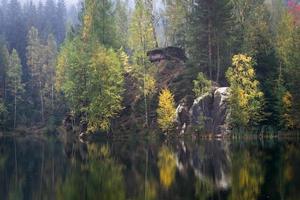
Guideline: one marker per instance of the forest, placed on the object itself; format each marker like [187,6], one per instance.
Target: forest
[95,76]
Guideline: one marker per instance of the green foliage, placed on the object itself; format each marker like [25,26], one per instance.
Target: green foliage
[122,16]
[166,110]
[283,106]
[288,52]
[49,69]
[105,102]
[108,22]
[246,99]
[142,39]
[3,112]
[91,78]
[14,75]
[209,35]
[89,75]
[252,26]
[201,85]
[35,63]
[41,59]
[4,60]
[176,29]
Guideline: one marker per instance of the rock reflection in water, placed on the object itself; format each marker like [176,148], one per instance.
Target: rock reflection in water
[210,163]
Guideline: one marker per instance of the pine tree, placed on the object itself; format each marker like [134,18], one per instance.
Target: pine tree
[30,14]
[49,19]
[176,16]
[4,60]
[252,26]
[122,23]
[2,22]
[15,30]
[15,86]
[103,23]
[60,22]
[35,62]
[166,111]
[49,69]
[208,36]
[287,49]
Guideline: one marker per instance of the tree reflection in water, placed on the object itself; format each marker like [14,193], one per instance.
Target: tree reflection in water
[167,166]
[98,177]
[48,168]
[247,176]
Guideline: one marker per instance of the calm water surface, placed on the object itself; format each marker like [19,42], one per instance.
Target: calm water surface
[33,168]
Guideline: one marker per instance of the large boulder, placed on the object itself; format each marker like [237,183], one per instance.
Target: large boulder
[208,113]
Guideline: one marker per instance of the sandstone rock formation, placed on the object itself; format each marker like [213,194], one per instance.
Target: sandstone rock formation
[208,113]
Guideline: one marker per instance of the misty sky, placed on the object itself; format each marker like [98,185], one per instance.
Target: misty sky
[68,2]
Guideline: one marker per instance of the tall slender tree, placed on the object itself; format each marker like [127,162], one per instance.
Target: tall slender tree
[60,21]
[15,86]
[122,16]
[141,40]
[35,62]
[49,69]
[208,38]
[4,60]
[176,22]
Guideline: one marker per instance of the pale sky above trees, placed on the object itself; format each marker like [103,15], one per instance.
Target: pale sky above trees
[68,2]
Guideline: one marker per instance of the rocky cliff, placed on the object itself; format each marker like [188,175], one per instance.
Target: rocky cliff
[207,114]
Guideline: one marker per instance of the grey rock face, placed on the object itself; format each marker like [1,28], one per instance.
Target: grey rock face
[208,113]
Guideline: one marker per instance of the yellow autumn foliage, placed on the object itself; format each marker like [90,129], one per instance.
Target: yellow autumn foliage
[248,177]
[166,110]
[150,85]
[246,100]
[287,100]
[167,166]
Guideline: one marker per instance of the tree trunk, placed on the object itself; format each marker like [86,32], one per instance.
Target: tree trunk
[103,23]
[15,108]
[143,42]
[151,9]
[42,101]
[42,171]
[218,62]
[52,97]
[155,36]
[145,95]
[146,174]
[210,48]
[16,160]
[4,86]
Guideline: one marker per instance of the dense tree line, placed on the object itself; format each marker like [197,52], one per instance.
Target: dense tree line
[17,19]
[268,31]
[29,36]
[252,46]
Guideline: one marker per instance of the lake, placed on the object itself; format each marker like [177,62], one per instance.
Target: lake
[139,168]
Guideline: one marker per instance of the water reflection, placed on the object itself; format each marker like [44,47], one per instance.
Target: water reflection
[247,177]
[50,168]
[167,166]
[98,177]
